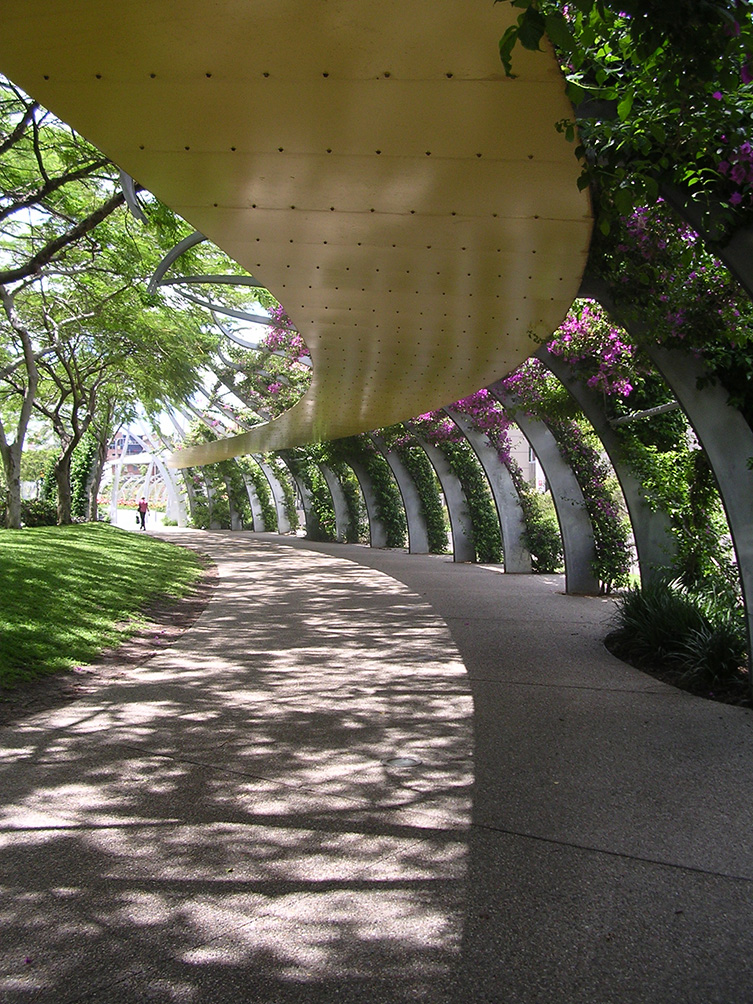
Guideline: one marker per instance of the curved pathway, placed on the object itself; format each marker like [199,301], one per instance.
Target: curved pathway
[282,807]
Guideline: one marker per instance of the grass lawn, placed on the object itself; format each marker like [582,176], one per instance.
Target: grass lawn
[68,592]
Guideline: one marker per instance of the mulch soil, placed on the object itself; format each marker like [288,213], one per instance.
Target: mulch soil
[165,620]
[735,691]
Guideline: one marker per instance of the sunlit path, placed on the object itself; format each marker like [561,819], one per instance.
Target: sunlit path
[371,776]
[280,801]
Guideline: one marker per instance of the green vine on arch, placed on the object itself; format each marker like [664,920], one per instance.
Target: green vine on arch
[487,539]
[422,474]
[389,503]
[321,524]
[261,486]
[282,473]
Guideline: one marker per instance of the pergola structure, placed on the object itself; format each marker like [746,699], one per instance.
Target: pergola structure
[414,210]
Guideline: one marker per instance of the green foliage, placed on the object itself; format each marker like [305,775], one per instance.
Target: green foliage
[217,490]
[198,502]
[680,483]
[579,447]
[49,489]
[35,461]
[82,465]
[321,522]
[261,486]
[35,512]
[542,535]
[389,502]
[77,326]
[417,464]
[662,89]
[282,474]
[237,493]
[487,540]
[699,635]
[357,529]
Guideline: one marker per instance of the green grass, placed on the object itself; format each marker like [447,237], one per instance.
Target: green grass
[66,593]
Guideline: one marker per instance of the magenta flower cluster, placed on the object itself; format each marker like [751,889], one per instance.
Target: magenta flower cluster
[738,169]
[282,338]
[589,341]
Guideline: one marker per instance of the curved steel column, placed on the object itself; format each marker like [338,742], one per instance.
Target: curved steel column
[463,548]
[254,502]
[342,515]
[278,495]
[654,543]
[303,492]
[418,534]
[575,523]
[377,529]
[728,441]
[516,556]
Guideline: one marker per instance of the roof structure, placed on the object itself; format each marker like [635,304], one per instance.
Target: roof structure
[415,212]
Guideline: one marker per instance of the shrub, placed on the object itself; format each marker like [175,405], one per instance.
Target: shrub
[698,638]
[39,512]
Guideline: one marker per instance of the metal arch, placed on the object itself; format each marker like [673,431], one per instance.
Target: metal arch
[461,527]
[226,410]
[517,557]
[128,185]
[256,408]
[283,523]
[418,534]
[339,504]
[254,501]
[654,543]
[437,164]
[727,439]
[575,523]
[188,242]
[377,529]
[219,279]
[722,431]
[241,315]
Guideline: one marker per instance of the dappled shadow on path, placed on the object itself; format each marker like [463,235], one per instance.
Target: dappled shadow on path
[275,809]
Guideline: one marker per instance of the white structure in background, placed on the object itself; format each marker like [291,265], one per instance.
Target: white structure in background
[136,468]
[522,453]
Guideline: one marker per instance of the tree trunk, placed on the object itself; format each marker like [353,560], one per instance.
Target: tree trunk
[12,466]
[63,482]
[96,478]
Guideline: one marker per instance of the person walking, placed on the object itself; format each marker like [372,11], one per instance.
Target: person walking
[143,509]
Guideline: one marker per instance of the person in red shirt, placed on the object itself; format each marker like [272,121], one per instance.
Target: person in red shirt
[143,509]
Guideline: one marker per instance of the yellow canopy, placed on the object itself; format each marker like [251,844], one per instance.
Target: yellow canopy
[415,212]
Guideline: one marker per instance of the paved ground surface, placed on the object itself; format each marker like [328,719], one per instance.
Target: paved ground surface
[364,776]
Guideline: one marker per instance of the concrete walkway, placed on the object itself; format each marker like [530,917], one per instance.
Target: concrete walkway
[365,776]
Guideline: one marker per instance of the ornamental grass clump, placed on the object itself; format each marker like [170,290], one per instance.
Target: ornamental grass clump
[695,639]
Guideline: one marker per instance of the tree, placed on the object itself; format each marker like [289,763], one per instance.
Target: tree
[77,327]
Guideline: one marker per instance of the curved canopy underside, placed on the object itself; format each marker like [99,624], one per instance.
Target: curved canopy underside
[415,212]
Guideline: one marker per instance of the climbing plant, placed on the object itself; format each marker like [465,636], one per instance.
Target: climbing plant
[541,536]
[389,503]
[417,464]
[439,430]
[82,464]
[282,474]
[196,494]
[261,486]
[321,523]
[538,393]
